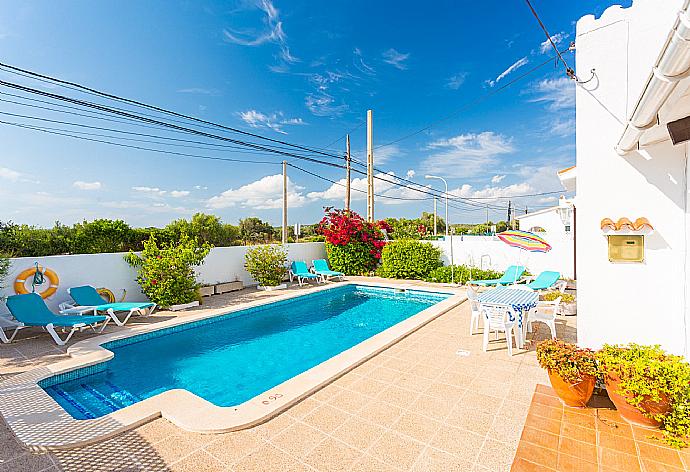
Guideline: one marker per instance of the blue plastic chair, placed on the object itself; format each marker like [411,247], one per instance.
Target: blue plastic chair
[298,269]
[546,279]
[88,300]
[29,309]
[509,277]
[321,268]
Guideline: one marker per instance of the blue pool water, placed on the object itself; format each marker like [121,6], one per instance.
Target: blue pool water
[232,358]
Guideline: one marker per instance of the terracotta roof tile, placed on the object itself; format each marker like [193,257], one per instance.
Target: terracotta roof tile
[625,224]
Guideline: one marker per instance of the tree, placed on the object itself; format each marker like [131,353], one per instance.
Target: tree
[102,235]
[253,230]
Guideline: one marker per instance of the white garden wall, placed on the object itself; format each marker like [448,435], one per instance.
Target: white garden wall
[110,270]
[490,252]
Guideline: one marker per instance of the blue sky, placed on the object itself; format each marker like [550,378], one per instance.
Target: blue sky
[304,72]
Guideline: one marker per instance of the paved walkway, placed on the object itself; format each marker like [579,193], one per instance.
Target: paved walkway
[418,406]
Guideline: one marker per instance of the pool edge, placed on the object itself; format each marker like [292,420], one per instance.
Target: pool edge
[40,424]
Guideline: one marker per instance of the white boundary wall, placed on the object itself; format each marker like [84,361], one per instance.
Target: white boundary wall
[489,252]
[110,270]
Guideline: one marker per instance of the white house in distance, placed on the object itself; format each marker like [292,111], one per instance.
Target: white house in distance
[632,185]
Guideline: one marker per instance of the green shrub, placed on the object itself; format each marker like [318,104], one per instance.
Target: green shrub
[572,363]
[266,264]
[4,269]
[352,259]
[462,274]
[166,272]
[409,259]
[647,372]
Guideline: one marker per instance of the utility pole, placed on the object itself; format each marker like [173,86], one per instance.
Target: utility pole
[487,216]
[509,208]
[285,203]
[347,173]
[370,166]
[435,224]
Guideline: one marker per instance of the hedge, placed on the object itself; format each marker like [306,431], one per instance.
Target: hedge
[409,259]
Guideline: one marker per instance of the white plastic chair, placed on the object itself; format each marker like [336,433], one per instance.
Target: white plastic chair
[561,286]
[544,312]
[498,318]
[474,306]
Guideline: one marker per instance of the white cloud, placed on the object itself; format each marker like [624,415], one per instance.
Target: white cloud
[198,91]
[557,38]
[384,154]
[152,190]
[456,80]
[385,185]
[359,64]
[157,192]
[323,104]
[410,174]
[496,179]
[557,94]
[513,67]
[265,193]
[395,58]
[488,193]
[273,32]
[274,121]
[466,155]
[201,187]
[179,193]
[561,126]
[9,174]
[81,185]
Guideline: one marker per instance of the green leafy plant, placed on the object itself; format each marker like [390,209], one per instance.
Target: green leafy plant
[649,373]
[565,297]
[409,259]
[166,271]
[266,264]
[461,274]
[568,360]
[4,269]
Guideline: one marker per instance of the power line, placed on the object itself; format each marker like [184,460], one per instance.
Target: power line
[569,72]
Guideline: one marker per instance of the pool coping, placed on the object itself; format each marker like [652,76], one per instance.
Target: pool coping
[41,424]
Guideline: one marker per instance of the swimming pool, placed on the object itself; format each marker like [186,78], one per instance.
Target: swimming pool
[229,359]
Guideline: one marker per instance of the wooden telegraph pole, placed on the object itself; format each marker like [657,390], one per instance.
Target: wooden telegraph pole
[435,224]
[370,166]
[347,173]
[285,203]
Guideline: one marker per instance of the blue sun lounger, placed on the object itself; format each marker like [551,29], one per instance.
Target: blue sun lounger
[298,269]
[88,300]
[29,309]
[321,268]
[509,277]
[545,280]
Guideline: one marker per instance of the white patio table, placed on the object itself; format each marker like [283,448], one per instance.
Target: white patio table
[521,301]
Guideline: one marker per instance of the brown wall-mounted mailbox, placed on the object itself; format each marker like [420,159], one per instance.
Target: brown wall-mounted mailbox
[626,248]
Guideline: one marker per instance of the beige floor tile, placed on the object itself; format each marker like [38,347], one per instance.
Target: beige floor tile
[506,430]
[433,460]
[418,427]
[332,456]
[199,461]
[274,426]
[434,407]
[358,433]
[368,386]
[443,390]
[465,444]
[384,374]
[231,447]
[326,418]
[397,450]
[157,430]
[496,456]
[266,458]
[350,401]
[174,448]
[381,413]
[27,462]
[470,419]
[370,464]
[299,439]
[303,408]
[412,382]
[398,396]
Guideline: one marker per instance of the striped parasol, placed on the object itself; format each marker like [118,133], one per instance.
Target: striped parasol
[524,240]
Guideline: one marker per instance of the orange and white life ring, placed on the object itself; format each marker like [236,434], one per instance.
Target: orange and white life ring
[20,281]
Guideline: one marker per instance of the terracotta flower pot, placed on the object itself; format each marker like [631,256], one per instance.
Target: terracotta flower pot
[630,413]
[573,395]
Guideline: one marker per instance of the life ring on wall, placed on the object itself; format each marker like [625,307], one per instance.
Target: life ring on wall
[20,281]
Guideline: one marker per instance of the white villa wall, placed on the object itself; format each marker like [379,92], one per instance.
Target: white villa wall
[473,250]
[618,303]
[110,270]
[549,219]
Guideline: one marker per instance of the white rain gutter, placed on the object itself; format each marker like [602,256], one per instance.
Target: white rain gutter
[672,65]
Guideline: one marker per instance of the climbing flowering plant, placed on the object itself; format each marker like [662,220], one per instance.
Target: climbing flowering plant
[353,244]
[166,271]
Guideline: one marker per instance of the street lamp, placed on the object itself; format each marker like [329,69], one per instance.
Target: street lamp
[452,262]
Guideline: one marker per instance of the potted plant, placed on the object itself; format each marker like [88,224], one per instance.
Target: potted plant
[267,265]
[567,306]
[166,272]
[572,370]
[233,286]
[206,290]
[649,387]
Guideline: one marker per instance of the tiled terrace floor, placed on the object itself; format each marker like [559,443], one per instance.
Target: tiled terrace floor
[418,406]
[596,439]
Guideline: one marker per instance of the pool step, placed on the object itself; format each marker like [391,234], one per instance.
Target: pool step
[92,402]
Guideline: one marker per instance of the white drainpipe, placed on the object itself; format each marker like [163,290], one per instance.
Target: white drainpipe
[673,65]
